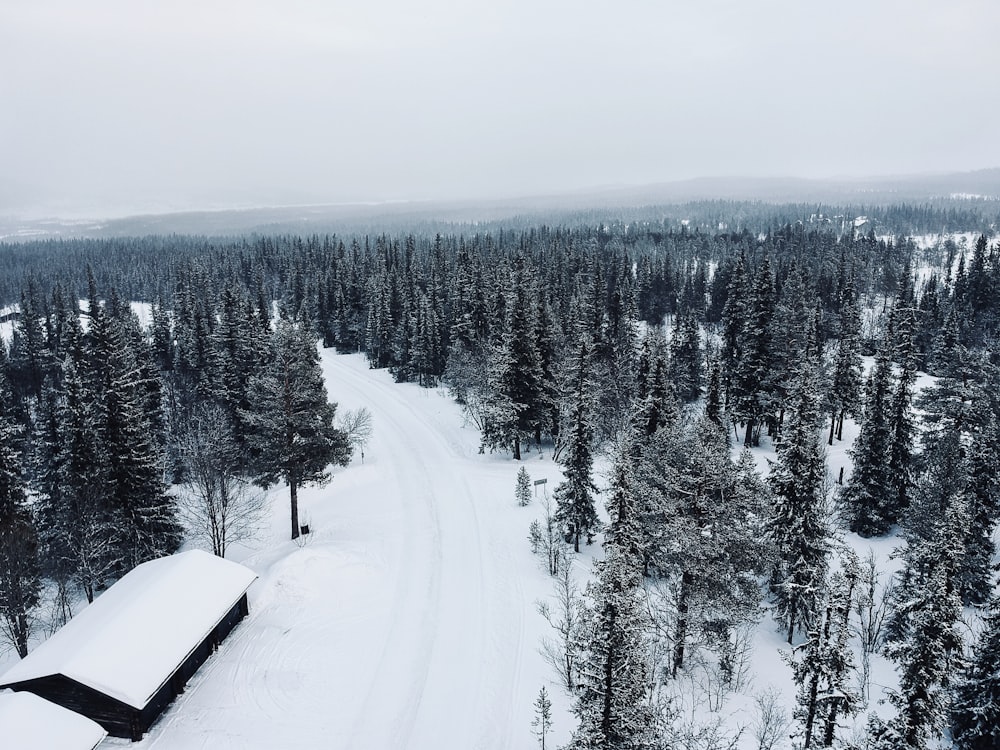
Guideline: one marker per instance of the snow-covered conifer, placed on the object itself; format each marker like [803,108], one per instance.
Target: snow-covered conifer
[575,508]
[975,713]
[612,707]
[798,525]
[541,725]
[292,421]
[20,581]
[523,491]
[822,671]
[867,494]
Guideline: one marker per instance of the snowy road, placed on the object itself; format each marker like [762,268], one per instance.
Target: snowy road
[401,621]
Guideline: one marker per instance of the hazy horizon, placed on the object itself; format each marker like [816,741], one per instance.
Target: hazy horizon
[125,108]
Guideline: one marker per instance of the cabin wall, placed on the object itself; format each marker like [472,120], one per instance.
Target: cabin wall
[118,719]
[177,682]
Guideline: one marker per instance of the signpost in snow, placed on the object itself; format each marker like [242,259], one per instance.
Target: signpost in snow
[538,482]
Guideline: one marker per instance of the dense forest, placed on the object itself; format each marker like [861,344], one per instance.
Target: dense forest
[663,348]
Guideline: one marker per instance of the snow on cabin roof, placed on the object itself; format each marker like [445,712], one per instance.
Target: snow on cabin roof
[135,635]
[29,721]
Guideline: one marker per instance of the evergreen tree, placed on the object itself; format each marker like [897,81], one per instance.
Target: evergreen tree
[924,639]
[575,510]
[982,495]
[975,713]
[612,708]
[657,399]
[81,540]
[959,414]
[788,336]
[901,425]
[291,423]
[20,581]
[713,398]
[866,497]
[136,495]
[701,533]
[686,369]
[240,349]
[845,391]
[541,725]
[29,355]
[734,314]
[749,403]
[822,673]
[798,525]
[626,532]
[498,421]
[523,492]
[515,397]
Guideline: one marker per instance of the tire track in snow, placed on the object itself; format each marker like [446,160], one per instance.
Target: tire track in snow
[393,696]
[448,688]
[400,625]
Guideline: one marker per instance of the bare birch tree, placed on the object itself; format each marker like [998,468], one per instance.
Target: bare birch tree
[218,504]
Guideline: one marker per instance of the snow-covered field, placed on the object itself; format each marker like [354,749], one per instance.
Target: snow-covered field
[406,619]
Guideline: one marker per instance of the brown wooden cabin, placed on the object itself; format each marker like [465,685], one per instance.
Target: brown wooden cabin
[123,659]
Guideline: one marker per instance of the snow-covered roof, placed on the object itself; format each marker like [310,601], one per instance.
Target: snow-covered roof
[135,635]
[29,721]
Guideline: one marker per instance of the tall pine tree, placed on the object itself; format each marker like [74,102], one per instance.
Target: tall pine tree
[575,509]
[612,706]
[798,525]
[20,581]
[291,421]
[975,713]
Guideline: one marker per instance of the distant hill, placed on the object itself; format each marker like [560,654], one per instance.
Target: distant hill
[980,185]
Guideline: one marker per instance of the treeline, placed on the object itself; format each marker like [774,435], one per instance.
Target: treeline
[665,345]
[100,415]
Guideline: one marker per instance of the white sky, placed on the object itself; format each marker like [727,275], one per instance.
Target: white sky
[108,106]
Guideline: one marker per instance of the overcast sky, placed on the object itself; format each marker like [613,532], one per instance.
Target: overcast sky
[111,106]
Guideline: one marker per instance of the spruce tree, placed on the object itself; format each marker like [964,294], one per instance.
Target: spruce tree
[499,413]
[713,397]
[291,422]
[901,424]
[734,315]
[823,669]
[20,580]
[701,532]
[867,496]
[612,708]
[788,334]
[516,407]
[845,391]
[959,414]
[924,640]
[523,491]
[975,712]
[748,400]
[798,525]
[575,509]
[976,572]
[81,538]
[657,398]
[136,494]
[541,725]
[686,368]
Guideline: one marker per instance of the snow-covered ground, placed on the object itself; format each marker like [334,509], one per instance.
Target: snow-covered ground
[406,619]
